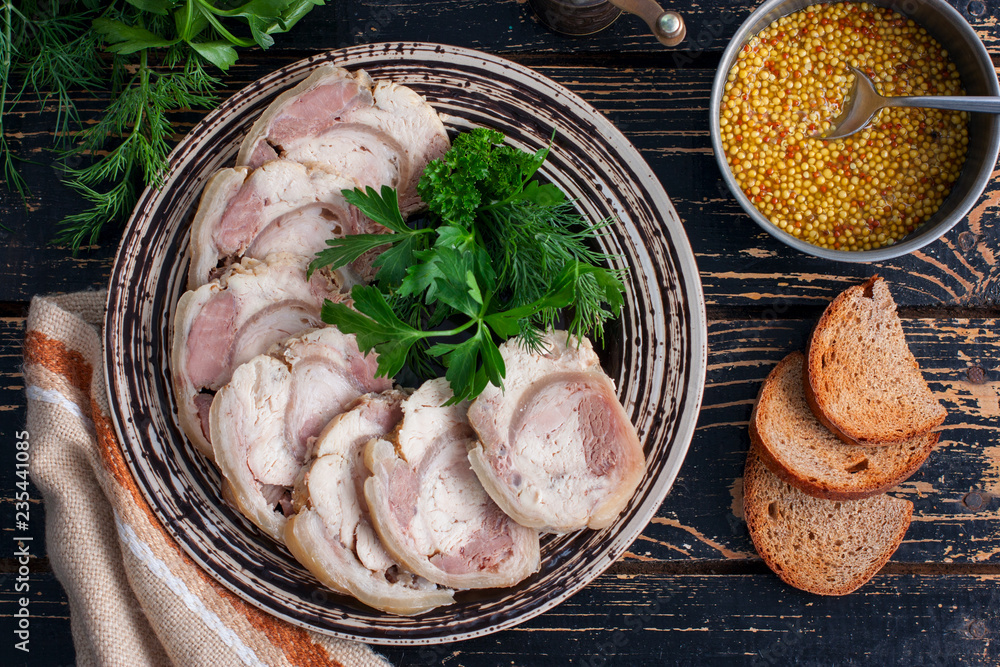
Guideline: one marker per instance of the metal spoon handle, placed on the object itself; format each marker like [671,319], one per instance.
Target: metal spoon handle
[955,103]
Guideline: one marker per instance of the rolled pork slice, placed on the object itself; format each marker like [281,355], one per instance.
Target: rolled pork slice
[341,119]
[310,108]
[262,420]
[556,449]
[331,532]
[428,507]
[232,319]
[282,207]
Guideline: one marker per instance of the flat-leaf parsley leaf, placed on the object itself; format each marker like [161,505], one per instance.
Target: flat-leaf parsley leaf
[498,255]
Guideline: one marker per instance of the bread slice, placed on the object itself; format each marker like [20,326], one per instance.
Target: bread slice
[827,547]
[862,382]
[801,451]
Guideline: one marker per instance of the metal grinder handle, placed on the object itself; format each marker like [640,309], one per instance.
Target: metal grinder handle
[668,27]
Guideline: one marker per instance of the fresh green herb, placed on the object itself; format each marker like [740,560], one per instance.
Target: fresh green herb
[479,171]
[498,255]
[384,209]
[531,242]
[161,51]
[49,53]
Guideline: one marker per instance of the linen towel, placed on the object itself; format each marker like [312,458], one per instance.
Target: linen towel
[135,597]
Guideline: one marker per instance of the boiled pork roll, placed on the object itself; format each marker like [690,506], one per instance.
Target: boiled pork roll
[430,510]
[283,207]
[331,532]
[232,319]
[556,450]
[262,420]
[346,122]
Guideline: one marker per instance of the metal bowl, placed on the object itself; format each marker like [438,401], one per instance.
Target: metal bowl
[965,49]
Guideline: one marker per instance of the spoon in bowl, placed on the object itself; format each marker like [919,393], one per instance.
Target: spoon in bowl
[863,102]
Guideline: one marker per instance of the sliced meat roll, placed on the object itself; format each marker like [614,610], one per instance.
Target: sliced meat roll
[232,319]
[340,119]
[430,510]
[331,532]
[283,207]
[262,420]
[557,451]
[305,111]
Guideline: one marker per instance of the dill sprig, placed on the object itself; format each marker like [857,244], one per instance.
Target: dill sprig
[10,174]
[137,120]
[531,243]
[160,55]
[498,255]
[49,54]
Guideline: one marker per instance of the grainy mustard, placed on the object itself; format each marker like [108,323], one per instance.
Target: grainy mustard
[868,190]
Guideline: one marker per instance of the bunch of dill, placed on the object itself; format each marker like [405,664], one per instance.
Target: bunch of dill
[146,58]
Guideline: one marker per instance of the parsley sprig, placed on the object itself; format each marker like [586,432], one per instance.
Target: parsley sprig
[498,255]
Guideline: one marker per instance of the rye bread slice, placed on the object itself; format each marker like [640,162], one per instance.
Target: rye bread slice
[861,380]
[827,547]
[796,447]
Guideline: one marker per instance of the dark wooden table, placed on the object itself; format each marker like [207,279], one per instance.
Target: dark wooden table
[691,590]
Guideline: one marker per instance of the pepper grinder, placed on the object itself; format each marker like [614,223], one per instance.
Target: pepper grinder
[585,17]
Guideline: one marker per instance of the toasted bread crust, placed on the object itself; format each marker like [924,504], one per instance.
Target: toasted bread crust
[817,489]
[762,509]
[864,434]
[890,467]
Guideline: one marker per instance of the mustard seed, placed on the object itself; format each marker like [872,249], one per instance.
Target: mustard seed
[863,192]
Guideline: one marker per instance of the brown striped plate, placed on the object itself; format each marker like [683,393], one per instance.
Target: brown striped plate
[655,353]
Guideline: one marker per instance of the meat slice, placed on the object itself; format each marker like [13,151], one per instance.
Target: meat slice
[433,515]
[331,532]
[232,319]
[283,207]
[341,119]
[222,187]
[557,451]
[307,110]
[262,420]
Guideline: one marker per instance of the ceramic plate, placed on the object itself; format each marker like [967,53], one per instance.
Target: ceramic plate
[655,353]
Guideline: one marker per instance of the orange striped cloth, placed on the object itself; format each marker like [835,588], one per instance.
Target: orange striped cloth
[135,598]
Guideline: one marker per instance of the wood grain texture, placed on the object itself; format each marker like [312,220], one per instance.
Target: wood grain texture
[956,494]
[662,111]
[12,420]
[50,640]
[510,26]
[691,591]
[660,619]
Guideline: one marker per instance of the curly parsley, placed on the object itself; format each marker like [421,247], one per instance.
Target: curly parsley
[498,255]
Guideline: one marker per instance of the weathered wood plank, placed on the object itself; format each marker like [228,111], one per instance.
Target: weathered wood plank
[956,494]
[49,638]
[12,422]
[662,112]
[687,620]
[510,26]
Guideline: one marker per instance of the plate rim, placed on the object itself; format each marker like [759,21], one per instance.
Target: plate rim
[693,300]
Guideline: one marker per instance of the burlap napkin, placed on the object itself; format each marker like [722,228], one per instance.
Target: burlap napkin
[135,598]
